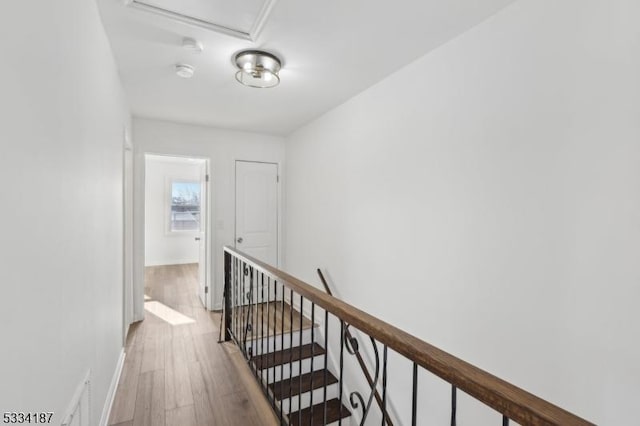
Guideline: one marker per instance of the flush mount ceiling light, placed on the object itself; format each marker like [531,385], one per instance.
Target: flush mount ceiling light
[258,69]
[184,70]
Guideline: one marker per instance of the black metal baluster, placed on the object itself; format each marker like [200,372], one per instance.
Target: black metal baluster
[248,314]
[341,368]
[300,365]
[290,350]
[355,398]
[226,315]
[414,404]
[236,327]
[243,301]
[245,311]
[240,304]
[255,322]
[254,280]
[275,329]
[237,308]
[233,295]
[313,318]
[326,357]
[269,352]
[384,385]
[454,407]
[282,349]
[505,420]
[262,320]
[248,317]
[255,326]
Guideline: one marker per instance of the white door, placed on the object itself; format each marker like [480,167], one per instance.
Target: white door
[202,236]
[257,210]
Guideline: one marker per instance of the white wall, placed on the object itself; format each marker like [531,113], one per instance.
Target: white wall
[223,148]
[487,199]
[61,252]
[163,247]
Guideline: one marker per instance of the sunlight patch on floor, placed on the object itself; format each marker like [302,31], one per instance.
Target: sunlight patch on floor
[167,314]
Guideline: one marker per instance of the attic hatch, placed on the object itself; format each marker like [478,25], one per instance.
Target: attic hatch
[243,19]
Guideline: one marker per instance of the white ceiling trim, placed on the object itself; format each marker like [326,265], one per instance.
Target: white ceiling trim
[258,25]
[252,35]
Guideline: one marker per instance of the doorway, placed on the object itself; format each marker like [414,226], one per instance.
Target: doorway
[256,211]
[176,218]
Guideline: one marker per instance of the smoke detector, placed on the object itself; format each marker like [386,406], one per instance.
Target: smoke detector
[184,70]
[192,45]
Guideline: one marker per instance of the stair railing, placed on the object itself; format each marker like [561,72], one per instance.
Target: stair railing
[264,315]
[361,363]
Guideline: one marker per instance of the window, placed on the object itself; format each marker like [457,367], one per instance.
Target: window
[185,206]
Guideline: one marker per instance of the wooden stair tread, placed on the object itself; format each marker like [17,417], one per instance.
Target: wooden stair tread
[301,384]
[333,414]
[284,356]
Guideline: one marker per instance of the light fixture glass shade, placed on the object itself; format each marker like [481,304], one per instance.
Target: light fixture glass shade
[257,69]
[260,79]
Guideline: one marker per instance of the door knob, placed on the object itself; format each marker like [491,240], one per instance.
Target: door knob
[197,238]
[240,240]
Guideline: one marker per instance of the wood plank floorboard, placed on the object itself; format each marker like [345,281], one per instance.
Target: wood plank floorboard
[150,400]
[182,416]
[178,386]
[177,374]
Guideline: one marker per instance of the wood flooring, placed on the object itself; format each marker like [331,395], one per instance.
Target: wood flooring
[175,373]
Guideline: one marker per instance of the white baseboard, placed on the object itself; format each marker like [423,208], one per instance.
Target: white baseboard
[111,394]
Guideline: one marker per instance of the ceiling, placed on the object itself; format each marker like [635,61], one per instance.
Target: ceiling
[331,50]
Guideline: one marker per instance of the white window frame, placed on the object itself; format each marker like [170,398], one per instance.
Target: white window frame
[169,202]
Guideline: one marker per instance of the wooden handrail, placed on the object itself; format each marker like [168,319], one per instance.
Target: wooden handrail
[512,401]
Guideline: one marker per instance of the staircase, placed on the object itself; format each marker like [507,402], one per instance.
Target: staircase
[292,367]
[287,354]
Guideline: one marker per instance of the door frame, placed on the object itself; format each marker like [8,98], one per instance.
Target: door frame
[278,204]
[128,178]
[209,220]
